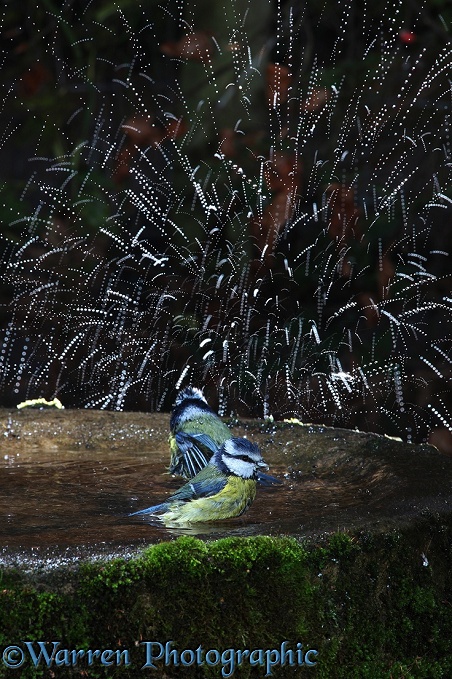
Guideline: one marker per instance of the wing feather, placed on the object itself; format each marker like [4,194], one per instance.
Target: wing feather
[193,453]
[208,482]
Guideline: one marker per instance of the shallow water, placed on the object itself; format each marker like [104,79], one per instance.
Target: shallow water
[73,498]
[64,504]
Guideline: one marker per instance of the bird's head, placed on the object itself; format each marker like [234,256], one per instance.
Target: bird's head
[240,457]
[189,393]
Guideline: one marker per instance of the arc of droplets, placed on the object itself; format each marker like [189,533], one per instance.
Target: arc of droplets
[103,320]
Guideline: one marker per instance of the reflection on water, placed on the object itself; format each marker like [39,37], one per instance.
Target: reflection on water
[75,503]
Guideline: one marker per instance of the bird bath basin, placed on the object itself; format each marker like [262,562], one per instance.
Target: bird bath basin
[350,556]
[71,478]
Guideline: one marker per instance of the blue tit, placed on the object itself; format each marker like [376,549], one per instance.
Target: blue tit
[223,489]
[196,433]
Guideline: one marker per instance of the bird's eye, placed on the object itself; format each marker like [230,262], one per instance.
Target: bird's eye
[245,458]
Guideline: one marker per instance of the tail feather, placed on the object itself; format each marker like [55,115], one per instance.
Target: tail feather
[156,509]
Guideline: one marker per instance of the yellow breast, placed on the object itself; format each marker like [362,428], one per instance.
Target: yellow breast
[233,500]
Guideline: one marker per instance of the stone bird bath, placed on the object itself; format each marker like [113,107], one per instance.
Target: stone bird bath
[350,556]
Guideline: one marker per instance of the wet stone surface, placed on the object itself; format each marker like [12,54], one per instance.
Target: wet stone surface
[69,479]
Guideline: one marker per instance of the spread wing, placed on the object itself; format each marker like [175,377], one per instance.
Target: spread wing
[193,453]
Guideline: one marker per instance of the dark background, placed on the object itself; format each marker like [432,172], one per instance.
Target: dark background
[66,109]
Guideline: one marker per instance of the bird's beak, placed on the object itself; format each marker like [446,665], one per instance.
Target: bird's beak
[263,465]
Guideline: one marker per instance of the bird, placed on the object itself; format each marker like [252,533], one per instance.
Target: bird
[223,489]
[196,433]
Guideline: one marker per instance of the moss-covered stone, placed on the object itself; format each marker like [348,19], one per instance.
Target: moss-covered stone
[372,605]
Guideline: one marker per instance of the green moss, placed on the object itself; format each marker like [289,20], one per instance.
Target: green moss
[369,606]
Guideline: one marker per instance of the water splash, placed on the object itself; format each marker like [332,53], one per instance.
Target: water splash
[240,213]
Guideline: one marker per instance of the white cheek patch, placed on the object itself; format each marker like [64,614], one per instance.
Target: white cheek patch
[239,467]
